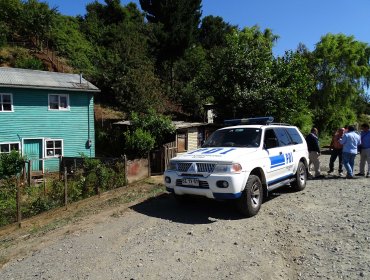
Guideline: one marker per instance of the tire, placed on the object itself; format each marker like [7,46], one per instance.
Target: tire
[300,177]
[251,200]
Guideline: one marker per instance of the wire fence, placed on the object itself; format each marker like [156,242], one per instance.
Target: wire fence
[79,178]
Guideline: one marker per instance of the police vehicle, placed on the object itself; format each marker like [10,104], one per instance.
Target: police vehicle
[244,162]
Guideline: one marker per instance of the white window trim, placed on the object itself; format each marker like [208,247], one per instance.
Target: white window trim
[59,95]
[11,102]
[46,149]
[10,143]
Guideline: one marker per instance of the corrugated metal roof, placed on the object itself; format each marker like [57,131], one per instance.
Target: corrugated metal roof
[25,78]
[177,124]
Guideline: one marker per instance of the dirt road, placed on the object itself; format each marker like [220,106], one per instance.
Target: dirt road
[319,233]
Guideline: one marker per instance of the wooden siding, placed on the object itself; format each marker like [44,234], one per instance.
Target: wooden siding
[32,119]
[192,138]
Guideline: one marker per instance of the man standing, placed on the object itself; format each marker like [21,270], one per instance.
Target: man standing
[350,141]
[336,151]
[365,150]
[314,152]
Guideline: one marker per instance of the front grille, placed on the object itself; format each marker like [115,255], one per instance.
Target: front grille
[202,185]
[206,167]
[183,166]
[201,167]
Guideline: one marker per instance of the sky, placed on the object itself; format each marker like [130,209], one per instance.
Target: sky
[294,21]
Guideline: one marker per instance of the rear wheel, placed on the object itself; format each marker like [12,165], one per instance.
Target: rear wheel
[300,177]
[251,200]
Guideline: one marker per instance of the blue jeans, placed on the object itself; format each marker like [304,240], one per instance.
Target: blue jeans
[349,163]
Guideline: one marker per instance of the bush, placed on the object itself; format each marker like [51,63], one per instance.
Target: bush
[11,164]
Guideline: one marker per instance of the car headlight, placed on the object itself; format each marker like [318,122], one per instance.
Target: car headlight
[228,168]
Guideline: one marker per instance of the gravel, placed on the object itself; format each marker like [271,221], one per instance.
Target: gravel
[319,233]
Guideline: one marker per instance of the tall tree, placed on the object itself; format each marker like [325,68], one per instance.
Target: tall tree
[125,70]
[342,70]
[176,24]
[239,76]
[213,32]
[294,85]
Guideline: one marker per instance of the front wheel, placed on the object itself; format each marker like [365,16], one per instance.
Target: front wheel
[300,177]
[250,202]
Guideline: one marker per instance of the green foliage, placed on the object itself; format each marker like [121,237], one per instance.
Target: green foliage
[159,126]
[67,38]
[7,201]
[213,32]
[21,58]
[239,77]
[139,142]
[11,164]
[295,84]
[341,66]
[176,25]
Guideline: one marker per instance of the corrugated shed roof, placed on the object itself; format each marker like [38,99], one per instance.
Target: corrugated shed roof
[25,78]
[177,124]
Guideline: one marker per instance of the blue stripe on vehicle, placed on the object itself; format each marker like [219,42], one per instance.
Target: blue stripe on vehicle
[227,195]
[277,161]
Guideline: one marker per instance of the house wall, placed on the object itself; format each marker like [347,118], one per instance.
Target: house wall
[31,119]
[192,138]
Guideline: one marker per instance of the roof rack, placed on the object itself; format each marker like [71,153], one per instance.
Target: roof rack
[260,120]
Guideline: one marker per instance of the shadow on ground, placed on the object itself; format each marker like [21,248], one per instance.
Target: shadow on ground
[195,210]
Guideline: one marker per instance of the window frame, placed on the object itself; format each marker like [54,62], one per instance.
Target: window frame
[54,148]
[2,103]
[9,144]
[59,95]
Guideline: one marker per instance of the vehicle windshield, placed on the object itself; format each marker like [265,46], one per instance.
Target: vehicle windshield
[235,137]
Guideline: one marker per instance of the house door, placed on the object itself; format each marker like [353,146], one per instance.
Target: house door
[33,151]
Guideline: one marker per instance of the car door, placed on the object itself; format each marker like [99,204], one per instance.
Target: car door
[275,153]
[288,150]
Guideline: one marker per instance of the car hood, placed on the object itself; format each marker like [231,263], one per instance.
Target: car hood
[221,154]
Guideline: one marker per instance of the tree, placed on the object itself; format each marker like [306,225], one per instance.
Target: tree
[37,19]
[213,32]
[239,77]
[342,71]
[176,25]
[125,71]
[147,132]
[294,86]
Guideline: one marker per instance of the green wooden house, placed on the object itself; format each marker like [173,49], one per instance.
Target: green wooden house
[45,115]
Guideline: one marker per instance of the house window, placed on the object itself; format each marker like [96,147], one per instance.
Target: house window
[6,148]
[6,102]
[54,148]
[58,102]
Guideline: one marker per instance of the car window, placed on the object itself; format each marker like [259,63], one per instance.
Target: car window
[282,136]
[294,134]
[270,141]
[235,137]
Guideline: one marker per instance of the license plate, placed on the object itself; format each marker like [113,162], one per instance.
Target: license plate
[190,182]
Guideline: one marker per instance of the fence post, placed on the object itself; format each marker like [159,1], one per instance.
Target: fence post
[18,198]
[29,173]
[126,169]
[149,167]
[65,188]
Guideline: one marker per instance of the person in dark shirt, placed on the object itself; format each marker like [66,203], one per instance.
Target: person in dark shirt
[314,153]
[336,151]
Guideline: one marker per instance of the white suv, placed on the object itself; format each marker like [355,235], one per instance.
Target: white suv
[243,162]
